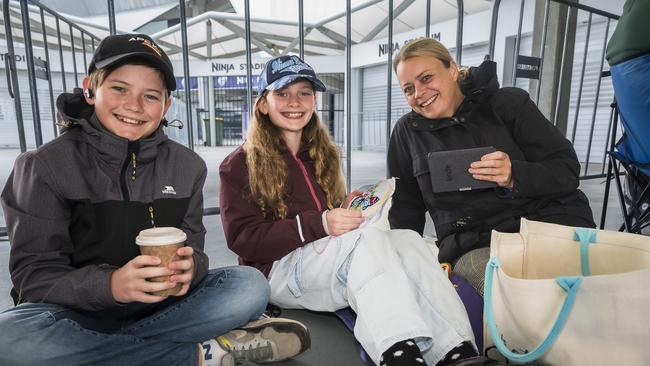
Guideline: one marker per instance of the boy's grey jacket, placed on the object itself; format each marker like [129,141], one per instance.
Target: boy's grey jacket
[75,205]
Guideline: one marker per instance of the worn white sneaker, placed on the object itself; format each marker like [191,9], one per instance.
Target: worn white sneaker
[260,341]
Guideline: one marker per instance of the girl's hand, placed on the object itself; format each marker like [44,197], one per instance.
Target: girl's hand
[341,220]
[494,167]
[129,282]
[350,197]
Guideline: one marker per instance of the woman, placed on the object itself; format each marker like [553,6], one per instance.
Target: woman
[280,197]
[534,167]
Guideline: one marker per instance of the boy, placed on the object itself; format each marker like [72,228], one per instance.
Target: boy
[73,209]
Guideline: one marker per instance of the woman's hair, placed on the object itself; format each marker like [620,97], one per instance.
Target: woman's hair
[428,47]
[98,76]
[265,148]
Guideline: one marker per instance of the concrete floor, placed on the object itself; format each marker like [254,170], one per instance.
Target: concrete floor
[332,344]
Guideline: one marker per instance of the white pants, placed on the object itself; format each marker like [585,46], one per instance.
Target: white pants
[389,278]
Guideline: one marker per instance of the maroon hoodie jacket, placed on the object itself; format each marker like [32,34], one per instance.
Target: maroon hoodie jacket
[260,241]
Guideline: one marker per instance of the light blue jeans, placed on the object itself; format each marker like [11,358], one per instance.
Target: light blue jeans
[45,334]
[391,279]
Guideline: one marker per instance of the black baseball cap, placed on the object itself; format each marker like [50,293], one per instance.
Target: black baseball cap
[284,70]
[117,48]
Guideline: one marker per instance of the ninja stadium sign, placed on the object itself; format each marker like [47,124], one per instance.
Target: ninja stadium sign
[383,47]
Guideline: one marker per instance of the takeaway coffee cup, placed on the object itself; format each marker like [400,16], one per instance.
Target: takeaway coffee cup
[162,242]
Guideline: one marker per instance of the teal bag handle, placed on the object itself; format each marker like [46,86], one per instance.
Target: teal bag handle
[586,237]
[569,284]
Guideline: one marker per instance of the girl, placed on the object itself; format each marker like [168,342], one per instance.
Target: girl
[280,200]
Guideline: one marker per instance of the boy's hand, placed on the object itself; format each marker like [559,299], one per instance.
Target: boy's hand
[494,167]
[129,282]
[184,269]
[341,220]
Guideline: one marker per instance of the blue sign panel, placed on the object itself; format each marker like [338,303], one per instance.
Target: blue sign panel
[220,82]
[180,83]
[234,82]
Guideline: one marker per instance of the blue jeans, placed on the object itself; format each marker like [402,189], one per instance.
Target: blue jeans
[46,334]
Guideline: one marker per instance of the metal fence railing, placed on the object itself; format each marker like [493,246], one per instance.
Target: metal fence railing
[570,96]
[56,35]
[55,31]
[600,107]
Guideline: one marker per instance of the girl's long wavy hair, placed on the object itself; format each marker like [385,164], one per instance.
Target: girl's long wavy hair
[267,169]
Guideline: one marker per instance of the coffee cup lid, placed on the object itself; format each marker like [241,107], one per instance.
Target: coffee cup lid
[160,236]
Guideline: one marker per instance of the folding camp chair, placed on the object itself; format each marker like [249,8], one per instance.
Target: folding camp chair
[632,151]
[635,198]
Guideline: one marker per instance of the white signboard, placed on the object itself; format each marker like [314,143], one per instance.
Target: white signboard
[237,66]
[477,29]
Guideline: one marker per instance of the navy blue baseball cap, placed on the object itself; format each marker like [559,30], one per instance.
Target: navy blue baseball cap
[284,70]
[118,48]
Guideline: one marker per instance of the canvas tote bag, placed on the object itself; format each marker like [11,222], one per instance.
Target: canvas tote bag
[569,296]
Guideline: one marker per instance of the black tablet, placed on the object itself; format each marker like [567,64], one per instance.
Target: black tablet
[448,169]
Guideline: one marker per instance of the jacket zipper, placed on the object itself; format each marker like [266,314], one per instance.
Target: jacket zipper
[133,165]
[311,187]
[130,159]
[153,223]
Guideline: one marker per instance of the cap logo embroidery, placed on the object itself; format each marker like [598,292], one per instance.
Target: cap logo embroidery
[147,43]
[292,65]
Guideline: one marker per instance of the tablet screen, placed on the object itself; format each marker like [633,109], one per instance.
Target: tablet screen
[448,169]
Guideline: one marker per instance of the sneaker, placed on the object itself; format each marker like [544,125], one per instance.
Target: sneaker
[264,340]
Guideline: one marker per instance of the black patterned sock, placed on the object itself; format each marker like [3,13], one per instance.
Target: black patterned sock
[404,353]
[462,351]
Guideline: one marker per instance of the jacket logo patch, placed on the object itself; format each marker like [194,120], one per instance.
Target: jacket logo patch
[168,190]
